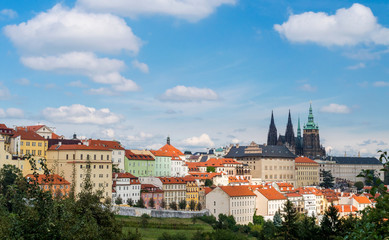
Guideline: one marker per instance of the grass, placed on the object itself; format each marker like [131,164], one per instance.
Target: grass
[157,226]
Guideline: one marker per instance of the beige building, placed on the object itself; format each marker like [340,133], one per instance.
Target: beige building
[238,201]
[62,159]
[307,172]
[267,163]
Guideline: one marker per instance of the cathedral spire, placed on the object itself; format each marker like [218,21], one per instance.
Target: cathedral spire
[289,133]
[272,135]
[298,128]
[311,123]
[168,140]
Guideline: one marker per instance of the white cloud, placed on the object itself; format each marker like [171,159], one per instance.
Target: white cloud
[108,133]
[202,141]
[61,30]
[100,70]
[142,136]
[11,113]
[22,81]
[77,84]
[235,141]
[141,66]
[9,13]
[80,114]
[101,91]
[336,108]
[308,88]
[187,94]
[4,92]
[356,66]
[351,26]
[381,84]
[191,10]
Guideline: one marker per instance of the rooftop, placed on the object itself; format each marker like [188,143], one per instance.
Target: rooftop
[237,191]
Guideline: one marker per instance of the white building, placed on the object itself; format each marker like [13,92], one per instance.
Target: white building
[238,201]
[309,201]
[126,186]
[269,201]
[118,152]
[178,167]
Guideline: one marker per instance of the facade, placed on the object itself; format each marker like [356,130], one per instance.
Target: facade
[118,152]
[267,163]
[178,167]
[126,186]
[307,172]
[174,189]
[162,163]
[41,130]
[192,190]
[269,201]
[54,183]
[74,161]
[151,191]
[140,165]
[348,168]
[297,201]
[238,201]
[309,201]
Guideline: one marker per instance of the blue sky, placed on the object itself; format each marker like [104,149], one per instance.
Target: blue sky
[207,73]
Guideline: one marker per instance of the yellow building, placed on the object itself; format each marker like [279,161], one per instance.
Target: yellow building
[62,159]
[28,142]
[192,190]
[307,172]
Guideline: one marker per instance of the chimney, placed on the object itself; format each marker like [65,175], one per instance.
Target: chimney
[342,208]
[237,145]
[59,143]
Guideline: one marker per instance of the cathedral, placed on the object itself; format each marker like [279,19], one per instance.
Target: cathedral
[307,145]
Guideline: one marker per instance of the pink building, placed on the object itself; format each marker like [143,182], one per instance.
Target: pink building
[151,191]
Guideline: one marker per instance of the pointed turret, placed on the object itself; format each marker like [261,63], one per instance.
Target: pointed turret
[289,133]
[272,135]
[298,128]
[299,140]
[168,140]
[311,124]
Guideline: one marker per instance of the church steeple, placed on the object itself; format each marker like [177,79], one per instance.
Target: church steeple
[272,135]
[298,129]
[311,124]
[168,140]
[289,133]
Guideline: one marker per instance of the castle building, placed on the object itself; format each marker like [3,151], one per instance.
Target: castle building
[307,145]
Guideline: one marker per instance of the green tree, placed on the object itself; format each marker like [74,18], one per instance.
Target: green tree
[258,219]
[192,205]
[182,204]
[277,220]
[225,222]
[307,228]
[130,202]
[118,200]
[144,220]
[330,224]
[168,236]
[140,203]
[328,179]
[151,202]
[198,207]
[359,185]
[163,204]
[211,169]
[289,225]
[208,183]
[173,205]
[268,232]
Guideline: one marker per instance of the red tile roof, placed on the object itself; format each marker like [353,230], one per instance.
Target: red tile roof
[207,190]
[293,194]
[271,194]
[237,179]
[28,135]
[362,199]
[133,156]
[123,175]
[172,151]
[108,144]
[237,191]
[201,175]
[305,160]
[31,128]
[346,208]
[53,179]
[159,153]
[172,180]
[77,147]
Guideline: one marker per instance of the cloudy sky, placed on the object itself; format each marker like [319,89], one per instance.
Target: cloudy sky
[206,72]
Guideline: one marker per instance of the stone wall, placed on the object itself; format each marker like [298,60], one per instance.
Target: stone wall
[137,212]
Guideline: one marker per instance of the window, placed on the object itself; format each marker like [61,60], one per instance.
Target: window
[107,157]
[67,156]
[33,144]
[27,143]
[39,144]
[33,152]
[21,151]
[74,156]
[94,157]
[27,151]
[81,157]
[87,157]
[21,143]
[101,157]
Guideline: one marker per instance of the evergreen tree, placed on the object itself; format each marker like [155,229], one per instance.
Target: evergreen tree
[140,203]
[129,202]
[182,204]
[118,201]
[199,207]
[208,183]
[151,202]
[163,204]
[173,205]
[289,225]
[277,220]
[192,205]
[328,179]
[330,224]
[307,228]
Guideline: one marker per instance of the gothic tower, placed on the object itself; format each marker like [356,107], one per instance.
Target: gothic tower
[311,139]
[299,140]
[289,134]
[272,135]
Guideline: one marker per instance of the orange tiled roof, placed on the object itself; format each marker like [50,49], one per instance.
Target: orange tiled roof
[346,208]
[108,144]
[132,156]
[305,160]
[172,180]
[77,147]
[293,194]
[237,191]
[160,153]
[28,135]
[271,194]
[361,199]
[172,151]
[201,175]
[207,190]
[31,128]
[234,179]
[49,179]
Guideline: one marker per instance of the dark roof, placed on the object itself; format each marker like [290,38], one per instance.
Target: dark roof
[267,151]
[204,159]
[355,160]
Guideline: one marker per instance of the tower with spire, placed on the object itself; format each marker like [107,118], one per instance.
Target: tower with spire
[289,133]
[299,140]
[272,135]
[311,138]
